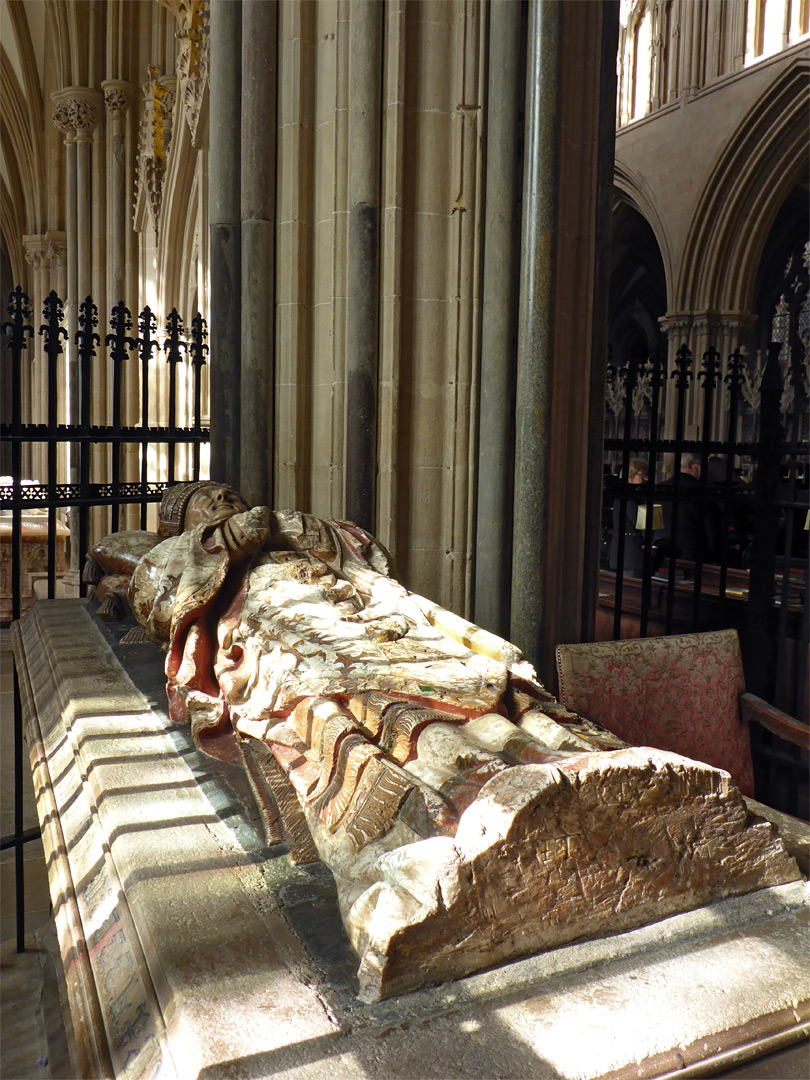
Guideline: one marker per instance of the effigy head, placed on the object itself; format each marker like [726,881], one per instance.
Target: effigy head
[202,502]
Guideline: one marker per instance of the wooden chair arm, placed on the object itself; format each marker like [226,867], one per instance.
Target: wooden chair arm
[776,721]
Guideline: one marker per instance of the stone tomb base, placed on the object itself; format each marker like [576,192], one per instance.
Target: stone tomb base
[191,950]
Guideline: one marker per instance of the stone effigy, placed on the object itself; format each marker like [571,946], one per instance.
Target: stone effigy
[467,818]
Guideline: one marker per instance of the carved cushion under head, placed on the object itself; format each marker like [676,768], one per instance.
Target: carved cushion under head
[678,693]
[118,553]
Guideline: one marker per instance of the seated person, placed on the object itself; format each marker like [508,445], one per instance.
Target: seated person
[633,561]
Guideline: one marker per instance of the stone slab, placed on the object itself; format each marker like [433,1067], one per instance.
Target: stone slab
[192,950]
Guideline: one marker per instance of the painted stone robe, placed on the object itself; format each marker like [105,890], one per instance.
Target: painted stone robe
[466,816]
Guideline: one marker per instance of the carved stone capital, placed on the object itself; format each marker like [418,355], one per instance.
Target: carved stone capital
[61,119]
[736,320]
[82,115]
[76,109]
[57,253]
[117,96]
[676,325]
[36,251]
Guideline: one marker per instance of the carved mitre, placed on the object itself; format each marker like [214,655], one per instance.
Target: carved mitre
[172,512]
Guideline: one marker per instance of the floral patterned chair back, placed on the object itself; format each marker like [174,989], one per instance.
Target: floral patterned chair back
[676,693]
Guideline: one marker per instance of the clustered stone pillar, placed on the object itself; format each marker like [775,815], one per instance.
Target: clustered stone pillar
[496,449]
[75,116]
[118,98]
[224,203]
[562,325]
[257,249]
[365,69]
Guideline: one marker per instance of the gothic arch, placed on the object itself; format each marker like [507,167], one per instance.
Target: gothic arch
[178,214]
[634,191]
[760,165]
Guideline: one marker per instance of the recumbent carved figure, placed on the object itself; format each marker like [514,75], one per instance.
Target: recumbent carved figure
[466,816]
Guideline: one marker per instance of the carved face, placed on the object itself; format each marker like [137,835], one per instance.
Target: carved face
[212,504]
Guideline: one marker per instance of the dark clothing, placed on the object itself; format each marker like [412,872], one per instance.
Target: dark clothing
[633,539]
[697,530]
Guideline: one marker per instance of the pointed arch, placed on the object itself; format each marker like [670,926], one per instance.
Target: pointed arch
[635,192]
[761,163]
[178,213]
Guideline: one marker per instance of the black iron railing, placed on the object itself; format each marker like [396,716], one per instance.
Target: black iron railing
[722,539]
[72,446]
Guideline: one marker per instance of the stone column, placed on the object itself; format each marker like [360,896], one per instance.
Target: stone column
[677,326]
[674,47]
[536,328]
[696,75]
[687,45]
[736,38]
[655,65]
[258,190]
[496,445]
[733,329]
[57,280]
[224,204]
[62,121]
[80,105]
[365,72]
[82,109]
[117,97]
[34,389]
[561,355]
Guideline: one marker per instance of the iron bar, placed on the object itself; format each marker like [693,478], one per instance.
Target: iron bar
[86,340]
[198,350]
[682,376]
[146,343]
[174,349]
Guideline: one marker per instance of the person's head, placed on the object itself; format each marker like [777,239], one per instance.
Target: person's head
[716,469]
[690,464]
[204,502]
[637,471]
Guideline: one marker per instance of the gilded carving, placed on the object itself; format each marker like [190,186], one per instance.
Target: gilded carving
[154,143]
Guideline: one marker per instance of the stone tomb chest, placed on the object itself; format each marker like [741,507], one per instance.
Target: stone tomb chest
[191,949]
